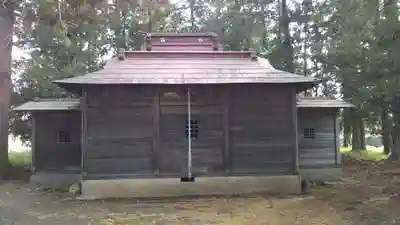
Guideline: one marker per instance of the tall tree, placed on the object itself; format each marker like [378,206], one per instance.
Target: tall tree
[285,38]
[6,33]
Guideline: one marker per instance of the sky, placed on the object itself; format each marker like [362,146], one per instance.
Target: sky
[17,53]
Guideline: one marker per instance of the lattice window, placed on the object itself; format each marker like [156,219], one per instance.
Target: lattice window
[194,129]
[64,137]
[309,133]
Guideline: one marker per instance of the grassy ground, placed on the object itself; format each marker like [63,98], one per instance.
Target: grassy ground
[370,154]
[20,158]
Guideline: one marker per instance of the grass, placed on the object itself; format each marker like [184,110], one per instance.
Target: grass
[20,158]
[370,154]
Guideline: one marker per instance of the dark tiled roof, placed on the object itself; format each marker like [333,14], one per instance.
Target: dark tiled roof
[187,68]
[319,102]
[49,105]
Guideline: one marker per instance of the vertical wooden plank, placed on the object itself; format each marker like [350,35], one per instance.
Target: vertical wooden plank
[337,136]
[84,130]
[156,129]
[296,132]
[34,136]
[227,145]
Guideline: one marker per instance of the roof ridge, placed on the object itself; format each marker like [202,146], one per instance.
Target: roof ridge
[182,34]
[318,97]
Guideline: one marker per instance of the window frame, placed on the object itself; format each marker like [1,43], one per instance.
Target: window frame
[309,133]
[63,139]
[194,129]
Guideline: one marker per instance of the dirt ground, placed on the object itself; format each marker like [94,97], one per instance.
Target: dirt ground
[368,194]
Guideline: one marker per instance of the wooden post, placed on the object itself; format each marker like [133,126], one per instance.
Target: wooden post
[84,130]
[156,131]
[189,124]
[33,150]
[295,128]
[336,133]
[227,146]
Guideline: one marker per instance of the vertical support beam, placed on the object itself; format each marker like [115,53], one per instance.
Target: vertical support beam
[227,144]
[84,109]
[34,136]
[295,130]
[189,124]
[336,133]
[156,132]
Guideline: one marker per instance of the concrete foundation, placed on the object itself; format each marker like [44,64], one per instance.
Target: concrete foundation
[202,186]
[53,180]
[321,174]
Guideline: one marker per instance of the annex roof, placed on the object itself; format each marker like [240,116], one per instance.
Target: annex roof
[49,105]
[187,67]
[320,102]
[73,104]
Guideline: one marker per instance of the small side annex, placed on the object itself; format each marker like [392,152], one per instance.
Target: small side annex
[56,141]
[319,138]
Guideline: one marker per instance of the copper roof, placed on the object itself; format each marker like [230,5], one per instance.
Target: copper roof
[203,67]
[321,102]
[49,105]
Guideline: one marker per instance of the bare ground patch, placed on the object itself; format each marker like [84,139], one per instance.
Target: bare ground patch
[369,194]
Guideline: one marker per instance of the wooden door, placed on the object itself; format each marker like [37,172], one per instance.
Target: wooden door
[207,142]
[173,149]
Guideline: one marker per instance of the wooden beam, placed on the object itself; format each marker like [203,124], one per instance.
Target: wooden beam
[336,133]
[296,132]
[84,130]
[33,151]
[227,145]
[156,130]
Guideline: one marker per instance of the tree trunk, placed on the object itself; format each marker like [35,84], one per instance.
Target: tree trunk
[6,32]
[362,133]
[395,153]
[286,39]
[191,7]
[346,128]
[356,140]
[386,135]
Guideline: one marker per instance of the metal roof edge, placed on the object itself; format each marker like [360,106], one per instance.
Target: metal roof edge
[69,81]
[182,34]
[133,54]
[318,102]
[51,104]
